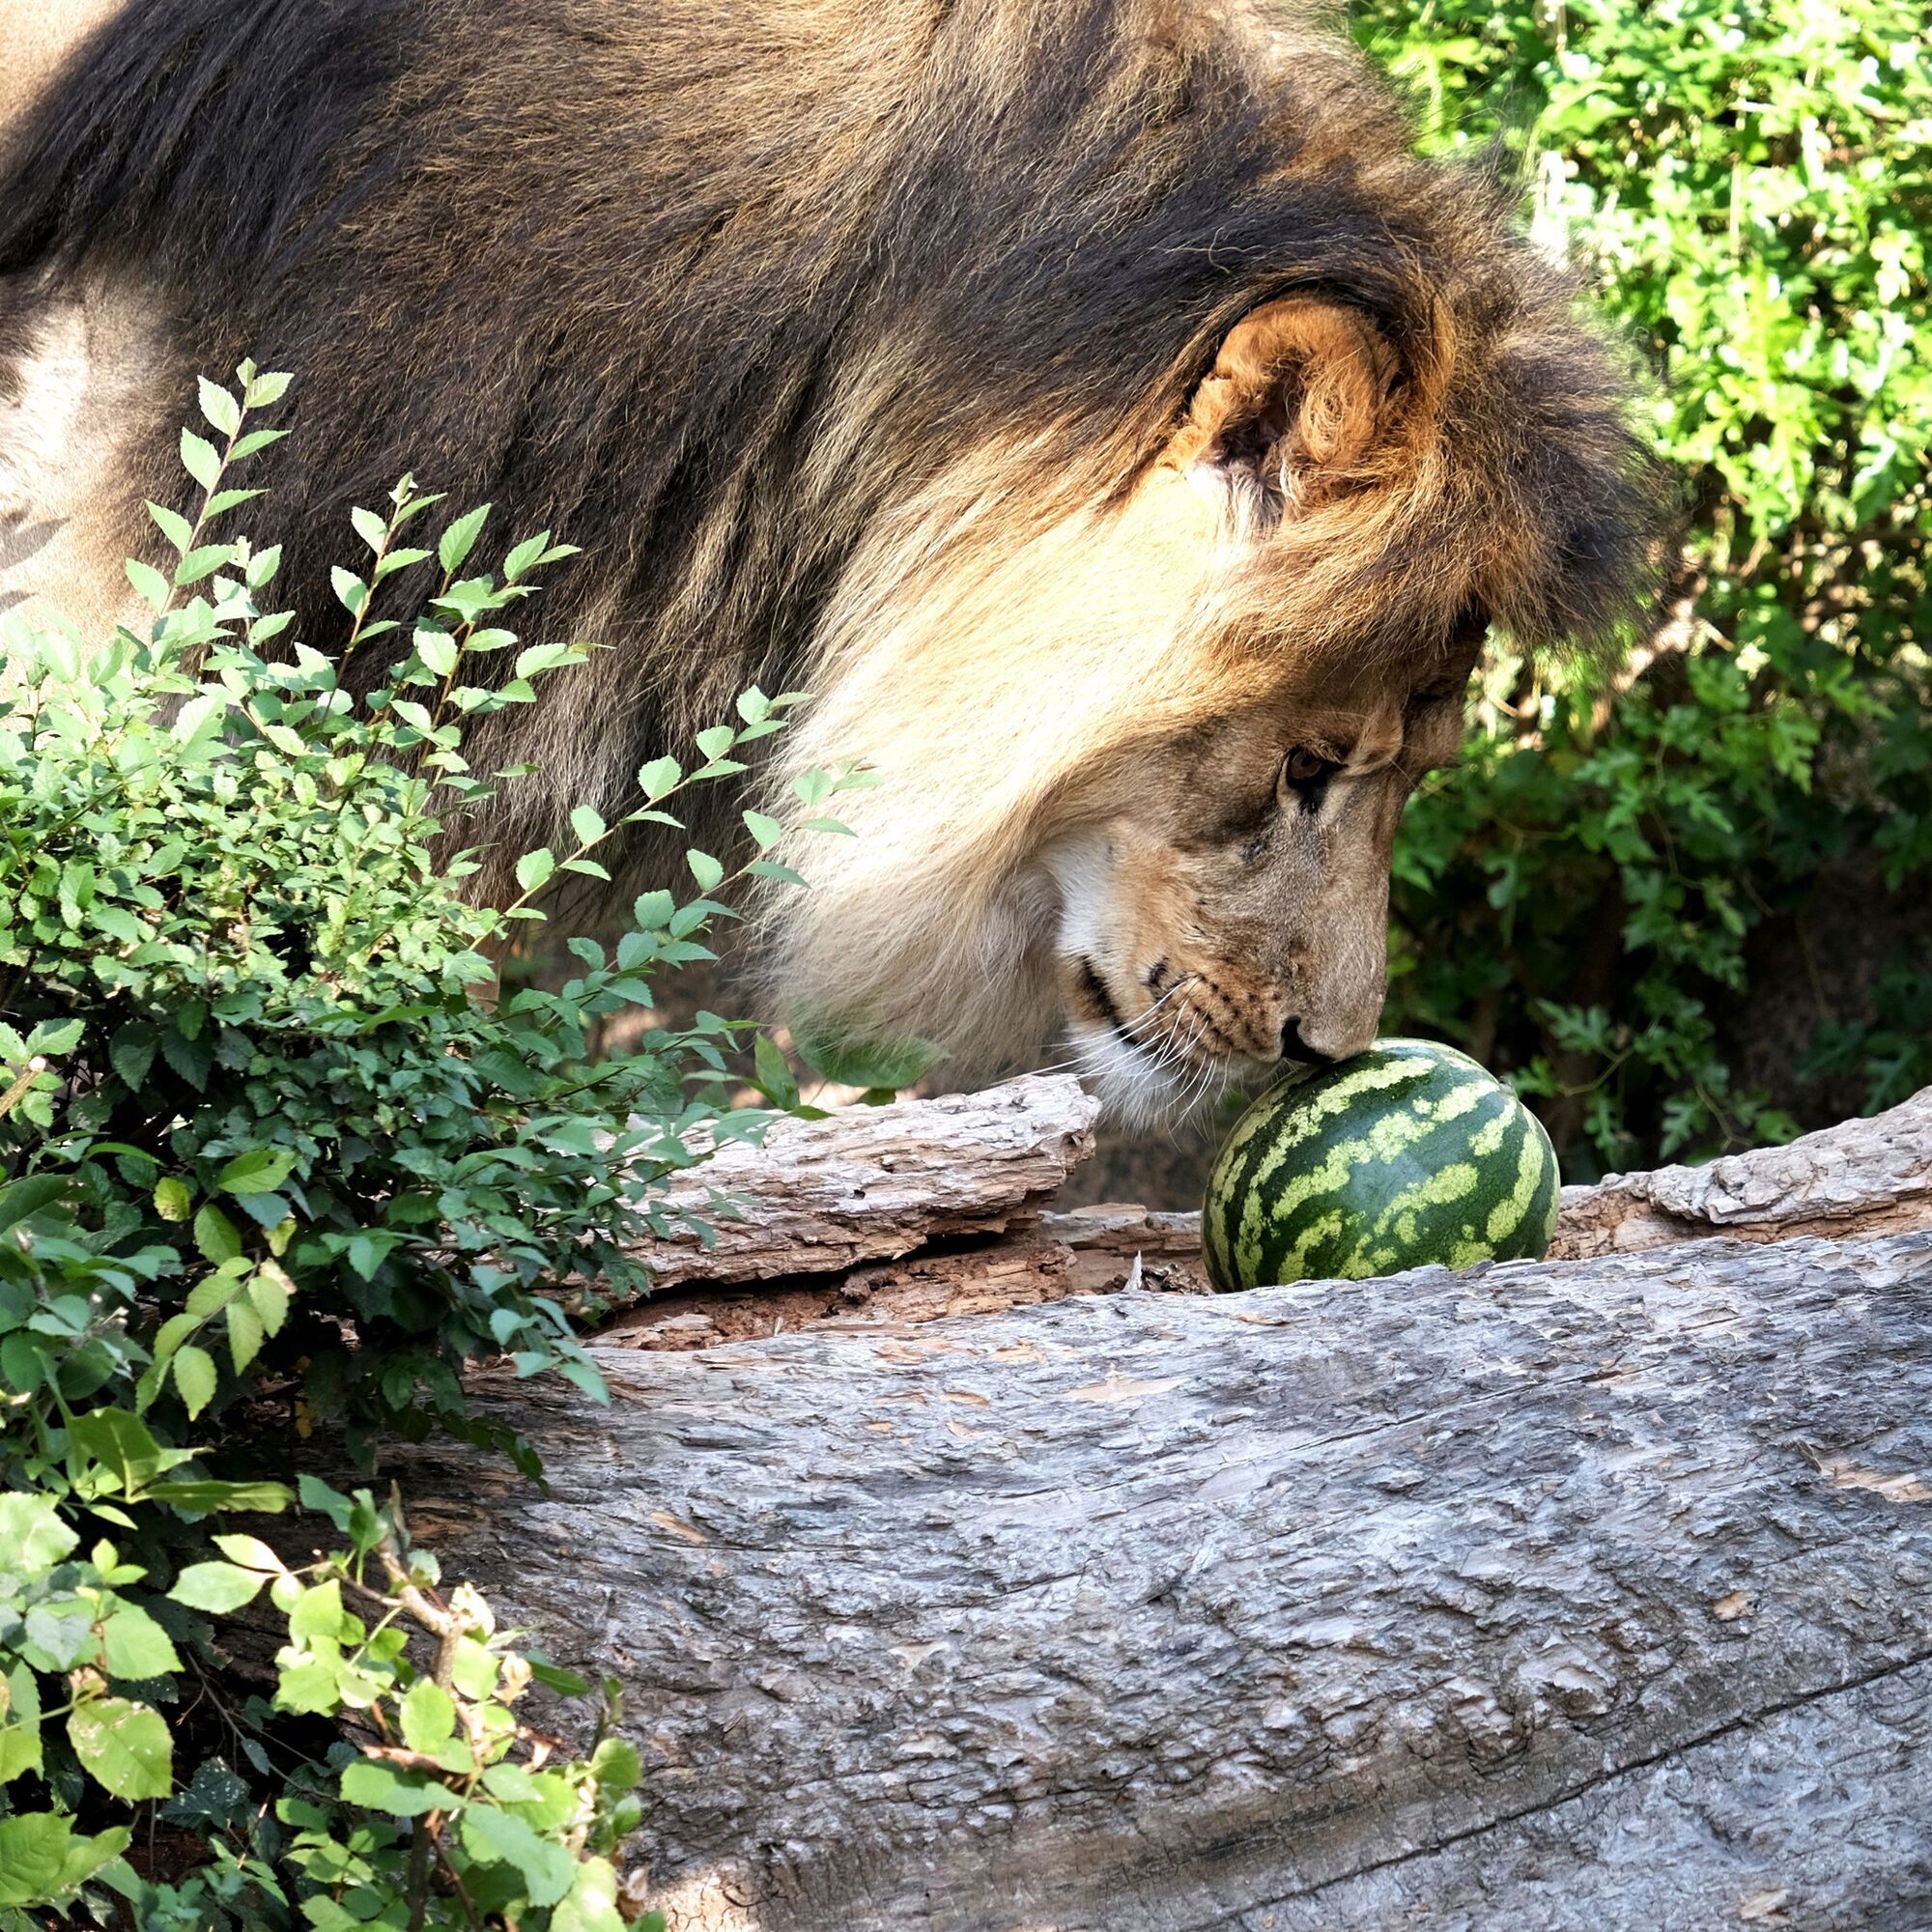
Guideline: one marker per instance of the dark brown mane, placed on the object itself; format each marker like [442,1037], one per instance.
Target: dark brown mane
[709,291]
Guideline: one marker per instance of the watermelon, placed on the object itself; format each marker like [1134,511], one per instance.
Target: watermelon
[1408,1153]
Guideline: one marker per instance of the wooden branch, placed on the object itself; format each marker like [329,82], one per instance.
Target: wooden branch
[1863,1178]
[868,1183]
[1866,1176]
[1039,1257]
[1568,1595]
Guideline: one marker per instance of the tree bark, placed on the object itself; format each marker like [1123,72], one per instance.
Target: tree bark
[1582,1595]
[1861,1177]
[868,1183]
[830,1233]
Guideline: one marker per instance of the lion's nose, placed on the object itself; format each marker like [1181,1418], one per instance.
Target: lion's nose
[1294,1047]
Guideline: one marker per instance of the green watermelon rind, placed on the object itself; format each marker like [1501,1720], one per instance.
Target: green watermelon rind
[1408,1154]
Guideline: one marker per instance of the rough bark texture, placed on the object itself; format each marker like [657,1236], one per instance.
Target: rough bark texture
[1861,1178]
[1586,1595]
[871,1182]
[1039,1257]
[810,1210]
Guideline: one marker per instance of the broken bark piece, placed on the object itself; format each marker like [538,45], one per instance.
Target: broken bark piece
[870,1184]
[819,1218]
[1039,1258]
[1861,1177]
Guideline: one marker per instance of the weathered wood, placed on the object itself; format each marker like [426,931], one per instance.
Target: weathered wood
[1588,1594]
[1037,1258]
[868,1183]
[1861,1178]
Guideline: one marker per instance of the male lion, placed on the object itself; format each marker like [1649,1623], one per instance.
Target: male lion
[1092,401]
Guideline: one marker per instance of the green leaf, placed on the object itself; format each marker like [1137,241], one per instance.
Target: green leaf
[32,1533]
[474,1668]
[534,868]
[220,409]
[149,585]
[270,1290]
[55,1036]
[775,1075]
[200,459]
[316,1495]
[204,562]
[21,1724]
[172,1199]
[260,1171]
[263,1498]
[553,1677]
[132,1056]
[250,1552]
[586,825]
[428,1715]
[460,539]
[350,592]
[317,1611]
[124,1745]
[195,1378]
[230,500]
[854,1061]
[120,1441]
[653,910]
[436,649]
[260,391]
[704,869]
[218,1587]
[245,1334]
[500,1838]
[370,527]
[173,526]
[591,1903]
[397,1794]
[659,778]
[137,1645]
[523,556]
[216,1234]
[21,1200]
[309,1687]
[34,1849]
[765,830]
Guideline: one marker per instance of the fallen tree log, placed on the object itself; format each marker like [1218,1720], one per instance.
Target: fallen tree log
[1858,1179]
[1583,1595]
[823,1239]
[817,1197]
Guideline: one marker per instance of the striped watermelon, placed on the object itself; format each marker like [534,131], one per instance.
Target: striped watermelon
[1406,1154]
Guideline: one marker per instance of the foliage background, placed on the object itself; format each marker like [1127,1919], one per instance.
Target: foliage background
[279,1157]
[1686,912]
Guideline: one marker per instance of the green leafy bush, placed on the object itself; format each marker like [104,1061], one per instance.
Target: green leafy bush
[1748,183]
[275,1148]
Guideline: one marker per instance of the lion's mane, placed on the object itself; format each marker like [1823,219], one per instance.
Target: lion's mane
[768,307]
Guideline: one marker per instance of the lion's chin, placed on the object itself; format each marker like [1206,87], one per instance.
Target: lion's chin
[1138,1090]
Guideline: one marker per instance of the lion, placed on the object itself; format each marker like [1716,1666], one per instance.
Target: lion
[1093,403]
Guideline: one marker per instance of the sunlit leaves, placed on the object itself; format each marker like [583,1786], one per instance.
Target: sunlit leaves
[1746,188]
[279,1130]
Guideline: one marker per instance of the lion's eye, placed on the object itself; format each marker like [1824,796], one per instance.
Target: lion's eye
[1303,770]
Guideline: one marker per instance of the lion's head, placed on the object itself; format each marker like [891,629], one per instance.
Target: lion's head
[1143,767]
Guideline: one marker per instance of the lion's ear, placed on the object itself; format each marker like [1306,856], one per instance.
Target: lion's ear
[1295,398]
